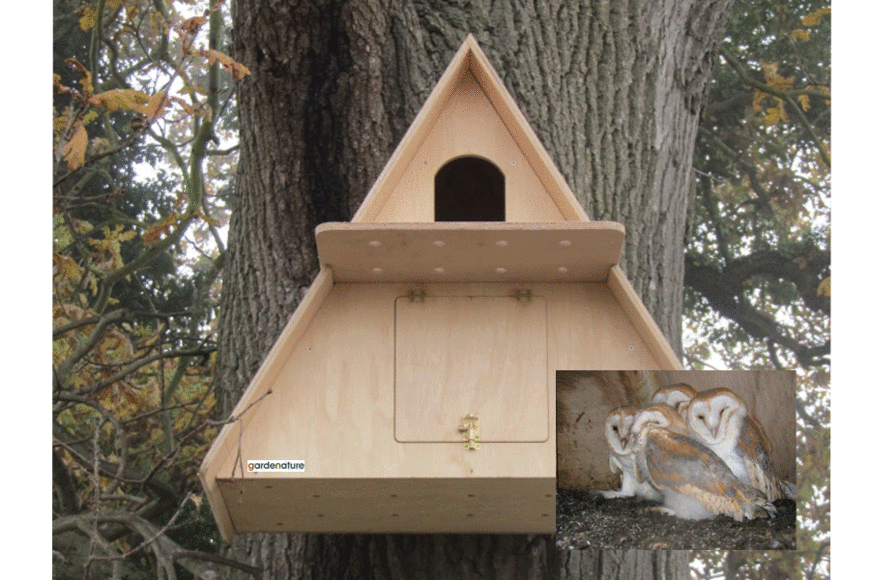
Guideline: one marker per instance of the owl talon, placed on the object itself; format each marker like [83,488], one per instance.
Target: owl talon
[659,509]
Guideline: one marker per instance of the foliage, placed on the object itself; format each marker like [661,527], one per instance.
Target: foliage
[758,279]
[139,199]
[758,262]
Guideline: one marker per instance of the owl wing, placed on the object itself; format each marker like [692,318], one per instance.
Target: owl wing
[754,447]
[687,467]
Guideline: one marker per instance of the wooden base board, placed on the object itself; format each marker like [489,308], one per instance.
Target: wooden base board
[407,505]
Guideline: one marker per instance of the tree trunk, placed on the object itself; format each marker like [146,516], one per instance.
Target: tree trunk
[613,89]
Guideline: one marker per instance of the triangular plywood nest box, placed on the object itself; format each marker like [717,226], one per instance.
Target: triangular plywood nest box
[414,388]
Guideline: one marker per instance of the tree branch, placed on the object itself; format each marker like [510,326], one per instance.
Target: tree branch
[85,347]
[724,290]
[786,98]
[99,386]
[164,549]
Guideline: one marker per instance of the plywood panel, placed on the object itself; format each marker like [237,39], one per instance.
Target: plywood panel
[641,320]
[420,505]
[469,125]
[591,331]
[471,251]
[333,400]
[471,354]
[222,451]
[470,112]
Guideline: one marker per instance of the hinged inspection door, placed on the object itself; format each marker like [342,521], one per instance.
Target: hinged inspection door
[461,355]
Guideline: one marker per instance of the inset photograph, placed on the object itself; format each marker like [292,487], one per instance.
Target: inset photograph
[676,460]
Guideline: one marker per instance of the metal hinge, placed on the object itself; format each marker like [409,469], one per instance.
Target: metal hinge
[417,296]
[524,295]
[471,428]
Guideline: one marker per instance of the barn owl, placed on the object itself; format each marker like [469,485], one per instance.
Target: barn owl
[617,429]
[695,483]
[676,396]
[721,420]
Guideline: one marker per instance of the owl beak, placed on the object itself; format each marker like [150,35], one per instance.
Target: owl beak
[724,420]
[714,429]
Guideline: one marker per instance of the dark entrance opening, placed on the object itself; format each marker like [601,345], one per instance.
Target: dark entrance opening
[469,189]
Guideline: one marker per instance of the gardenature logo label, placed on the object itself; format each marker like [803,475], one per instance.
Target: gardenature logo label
[260,466]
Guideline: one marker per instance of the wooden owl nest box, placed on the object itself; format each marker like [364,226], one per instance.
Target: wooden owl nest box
[441,312]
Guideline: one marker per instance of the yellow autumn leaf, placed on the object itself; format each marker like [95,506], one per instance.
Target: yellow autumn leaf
[152,234]
[236,69]
[804,101]
[89,116]
[192,25]
[774,114]
[89,16]
[774,79]
[66,267]
[111,242]
[123,99]
[757,99]
[799,34]
[114,3]
[74,151]
[59,123]
[192,90]
[155,107]
[86,81]
[814,18]
[824,288]
[61,232]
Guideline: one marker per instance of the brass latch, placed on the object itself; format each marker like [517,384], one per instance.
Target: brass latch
[471,428]
[417,296]
[524,295]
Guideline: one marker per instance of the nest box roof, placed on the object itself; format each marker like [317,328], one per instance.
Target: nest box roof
[470,194]
[470,113]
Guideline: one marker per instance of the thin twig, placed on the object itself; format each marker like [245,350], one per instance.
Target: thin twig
[786,97]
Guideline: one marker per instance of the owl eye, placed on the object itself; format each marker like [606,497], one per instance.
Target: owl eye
[701,417]
[615,428]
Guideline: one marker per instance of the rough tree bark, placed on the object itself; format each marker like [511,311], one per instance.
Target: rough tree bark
[613,89]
